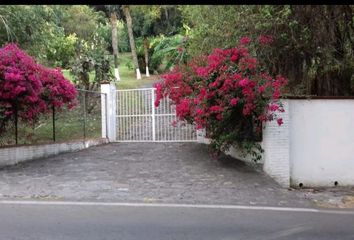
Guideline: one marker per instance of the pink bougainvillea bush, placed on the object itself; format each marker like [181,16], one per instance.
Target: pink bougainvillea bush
[29,88]
[228,94]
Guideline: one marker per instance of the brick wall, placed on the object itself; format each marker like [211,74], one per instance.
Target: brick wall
[276,145]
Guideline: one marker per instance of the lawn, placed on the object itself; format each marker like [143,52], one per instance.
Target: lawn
[69,124]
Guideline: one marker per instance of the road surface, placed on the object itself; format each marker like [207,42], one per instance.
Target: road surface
[85,220]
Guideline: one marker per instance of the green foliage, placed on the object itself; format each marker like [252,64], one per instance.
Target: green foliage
[32,27]
[164,52]
[104,31]
[123,38]
[144,18]
[91,56]
[170,21]
[219,29]
[51,33]
[153,20]
[313,44]
[172,49]
[61,50]
[81,20]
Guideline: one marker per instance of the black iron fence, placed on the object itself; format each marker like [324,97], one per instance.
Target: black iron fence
[82,122]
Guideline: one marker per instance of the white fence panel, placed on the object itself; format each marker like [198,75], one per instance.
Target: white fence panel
[139,121]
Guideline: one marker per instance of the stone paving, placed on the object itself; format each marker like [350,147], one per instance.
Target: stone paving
[146,172]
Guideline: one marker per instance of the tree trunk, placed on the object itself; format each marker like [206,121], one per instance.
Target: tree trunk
[131,39]
[146,52]
[115,44]
[166,15]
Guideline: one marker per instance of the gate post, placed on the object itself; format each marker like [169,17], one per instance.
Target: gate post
[108,111]
[153,114]
[201,136]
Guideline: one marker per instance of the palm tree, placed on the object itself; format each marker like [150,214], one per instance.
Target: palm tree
[4,22]
[129,21]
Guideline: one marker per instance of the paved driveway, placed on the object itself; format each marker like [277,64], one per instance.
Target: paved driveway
[145,172]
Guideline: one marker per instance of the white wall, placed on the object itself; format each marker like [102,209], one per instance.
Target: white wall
[16,154]
[322,142]
[314,146]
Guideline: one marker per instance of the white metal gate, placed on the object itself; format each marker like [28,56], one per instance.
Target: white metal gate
[139,121]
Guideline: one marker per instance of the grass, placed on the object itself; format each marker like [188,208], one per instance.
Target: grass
[126,72]
[69,125]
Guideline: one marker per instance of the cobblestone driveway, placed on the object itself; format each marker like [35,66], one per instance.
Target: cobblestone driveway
[145,172]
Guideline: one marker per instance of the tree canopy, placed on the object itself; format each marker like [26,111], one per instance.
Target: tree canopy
[311,44]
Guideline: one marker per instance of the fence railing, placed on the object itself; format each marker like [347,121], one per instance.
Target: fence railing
[138,120]
[82,122]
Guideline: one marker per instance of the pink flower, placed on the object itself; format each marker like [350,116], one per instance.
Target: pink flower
[8,113]
[182,109]
[251,63]
[174,123]
[202,72]
[261,89]
[280,121]
[213,84]
[199,111]
[265,39]
[217,90]
[276,94]
[273,107]
[157,102]
[35,87]
[219,117]
[216,108]
[246,111]
[262,118]
[234,58]
[243,82]
[245,40]
[234,101]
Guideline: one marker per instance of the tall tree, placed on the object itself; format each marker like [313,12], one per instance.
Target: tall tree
[151,21]
[146,53]
[115,44]
[3,22]
[112,11]
[129,21]
[145,16]
[81,20]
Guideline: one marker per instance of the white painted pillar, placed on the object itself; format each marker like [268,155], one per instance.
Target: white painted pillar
[276,145]
[201,136]
[116,74]
[153,114]
[138,75]
[109,111]
[104,108]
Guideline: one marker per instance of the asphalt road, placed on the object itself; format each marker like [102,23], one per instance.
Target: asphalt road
[144,222]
